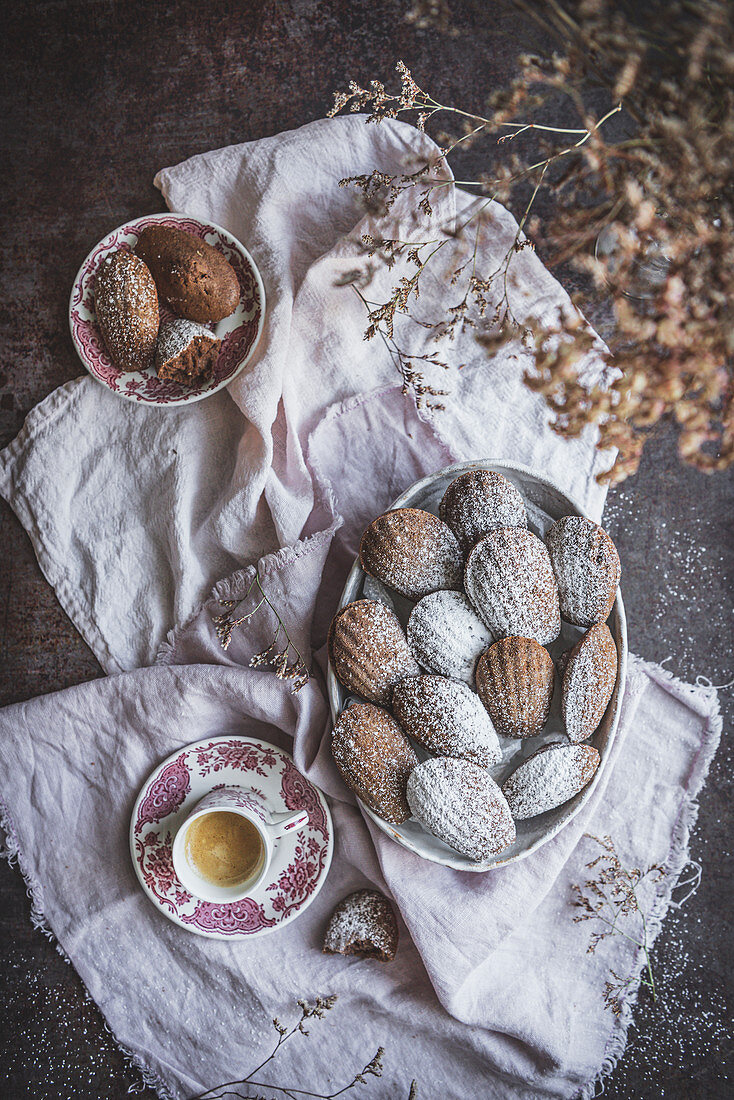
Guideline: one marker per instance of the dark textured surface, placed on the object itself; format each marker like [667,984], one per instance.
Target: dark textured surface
[96,97]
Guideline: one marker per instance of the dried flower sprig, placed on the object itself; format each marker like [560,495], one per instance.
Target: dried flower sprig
[277,654]
[662,191]
[316,1011]
[611,896]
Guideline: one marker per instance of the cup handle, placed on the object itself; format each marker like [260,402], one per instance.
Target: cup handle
[280,824]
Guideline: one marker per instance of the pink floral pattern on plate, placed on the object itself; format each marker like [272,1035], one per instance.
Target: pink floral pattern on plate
[239,333]
[300,861]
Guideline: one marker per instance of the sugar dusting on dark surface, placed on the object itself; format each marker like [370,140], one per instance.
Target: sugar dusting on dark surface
[671,525]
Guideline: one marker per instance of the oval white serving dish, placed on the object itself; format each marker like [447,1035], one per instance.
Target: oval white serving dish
[545,503]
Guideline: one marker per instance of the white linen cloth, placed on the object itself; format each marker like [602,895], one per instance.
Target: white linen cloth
[492,993]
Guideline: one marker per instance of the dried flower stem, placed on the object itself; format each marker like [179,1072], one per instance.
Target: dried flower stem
[225,624]
[611,896]
[665,191]
[318,1010]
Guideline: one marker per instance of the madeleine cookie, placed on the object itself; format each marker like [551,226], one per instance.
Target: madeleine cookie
[363,924]
[186,352]
[478,501]
[126,305]
[462,805]
[193,279]
[447,636]
[588,682]
[411,551]
[587,568]
[515,683]
[374,758]
[510,582]
[368,651]
[548,778]
[446,718]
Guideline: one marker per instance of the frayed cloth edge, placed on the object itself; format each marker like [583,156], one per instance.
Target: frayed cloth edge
[677,860]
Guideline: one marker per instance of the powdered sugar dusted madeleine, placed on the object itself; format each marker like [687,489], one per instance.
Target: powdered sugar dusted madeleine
[363,924]
[587,568]
[412,551]
[374,758]
[588,682]
[461,804]
[477,502]
[447,636]
[447,718]
[515,683]
[369,651]
[510,582]
[548,778]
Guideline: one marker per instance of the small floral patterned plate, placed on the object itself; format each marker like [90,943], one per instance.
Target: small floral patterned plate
[239,332]
[300,861]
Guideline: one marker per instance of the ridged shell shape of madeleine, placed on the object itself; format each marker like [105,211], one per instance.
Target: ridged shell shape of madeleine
[515,682]
[461,804]
[412,551]
[446,718]
[587,568]
[510,582]
[477,502]
[368,650]
[548,778]
[588,682]
[374,758]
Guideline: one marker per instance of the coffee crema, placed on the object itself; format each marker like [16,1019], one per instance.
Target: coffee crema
[224,848]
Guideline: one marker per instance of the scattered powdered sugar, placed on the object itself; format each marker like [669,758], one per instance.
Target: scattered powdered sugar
[587,568]
[548,778]
[510,582]
[368,650]
[447,718]
[412,551]
[364,923]
[462,805]
[175,336]
[588,682]
[477,502]
[447,636]
[374,758]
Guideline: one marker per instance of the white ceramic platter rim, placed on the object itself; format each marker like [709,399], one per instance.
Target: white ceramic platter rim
[96,360]
[170,821]
[617,622]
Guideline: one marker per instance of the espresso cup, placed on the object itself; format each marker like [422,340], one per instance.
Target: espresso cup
[224,847]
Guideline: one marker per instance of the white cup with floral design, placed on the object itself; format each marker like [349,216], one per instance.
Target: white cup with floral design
[208,851]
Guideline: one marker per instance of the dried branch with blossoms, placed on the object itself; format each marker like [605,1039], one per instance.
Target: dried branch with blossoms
[316,1011]
[659,193]
[611,897]
[278,653]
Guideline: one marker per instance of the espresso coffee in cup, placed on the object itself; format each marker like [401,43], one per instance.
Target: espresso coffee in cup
[224,848]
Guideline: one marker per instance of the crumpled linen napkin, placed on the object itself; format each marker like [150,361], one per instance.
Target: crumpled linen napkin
[147,507]
[492,993]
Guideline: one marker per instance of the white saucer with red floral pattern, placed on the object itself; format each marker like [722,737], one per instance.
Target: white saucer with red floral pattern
[300,860]
[239,332]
